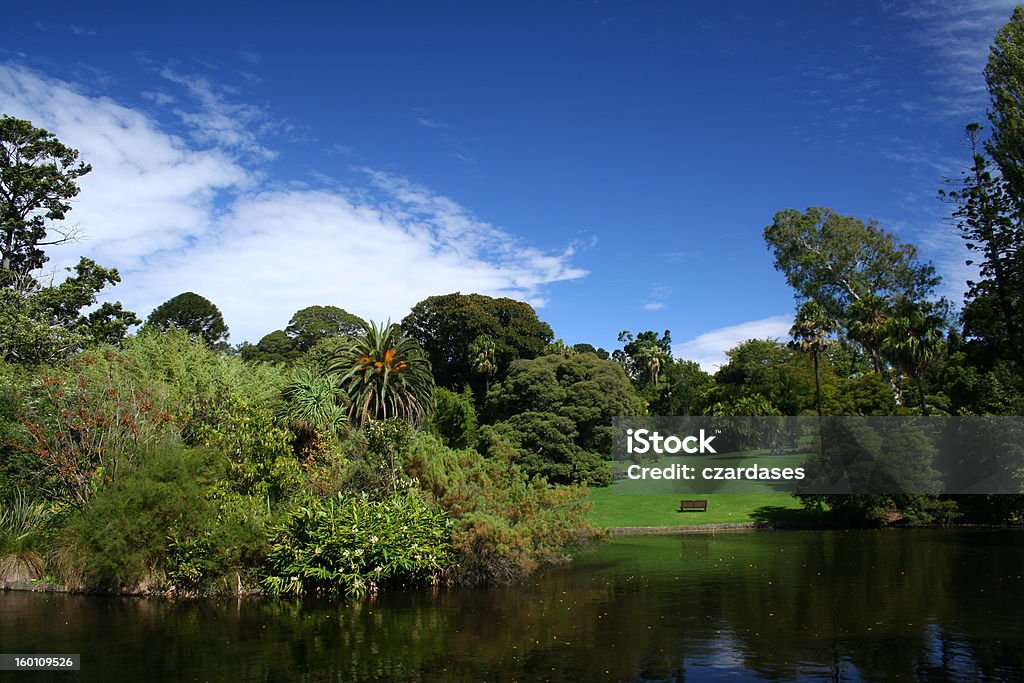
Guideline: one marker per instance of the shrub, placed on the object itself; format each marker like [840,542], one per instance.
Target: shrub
[506,524]
[261,461]
[200,383]
[23,523]
[353,544]
[125,533]
[584,389]
[454,418]
[85,424]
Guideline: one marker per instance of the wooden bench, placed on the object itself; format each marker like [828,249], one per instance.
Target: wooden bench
[687,505]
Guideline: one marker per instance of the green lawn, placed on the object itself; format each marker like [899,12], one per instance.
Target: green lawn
[611,509]
[633,503]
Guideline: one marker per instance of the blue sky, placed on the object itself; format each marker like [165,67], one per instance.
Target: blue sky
[613,163]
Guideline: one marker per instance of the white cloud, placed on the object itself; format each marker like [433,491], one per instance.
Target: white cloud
[172,218]
[147,191]
[656,298]
[229,125]
[709,349]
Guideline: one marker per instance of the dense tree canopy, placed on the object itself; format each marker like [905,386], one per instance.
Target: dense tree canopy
[193,313]
[585,389]
[446,326]
[273,347]
[645,355]
[769,370]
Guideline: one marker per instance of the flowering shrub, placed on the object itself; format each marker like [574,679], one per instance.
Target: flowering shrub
[353,544]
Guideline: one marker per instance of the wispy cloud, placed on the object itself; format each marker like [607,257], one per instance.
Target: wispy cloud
[448,133]
[177,212]
[709,349]
[656,298]
[80,30]
[236,126]
[957,36]
[250,56]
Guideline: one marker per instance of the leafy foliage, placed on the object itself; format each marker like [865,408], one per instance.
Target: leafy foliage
[274,347]
[46,324]
[836,260]
[38,177]
[125,532]
[454,419]
[311,324]
[771,371]
[353,545]
[506,525]
[86,424]
[312,404]
[545,444]
[644,356]
[583,389]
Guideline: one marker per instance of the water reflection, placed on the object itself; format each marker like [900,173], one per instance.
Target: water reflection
[919,605]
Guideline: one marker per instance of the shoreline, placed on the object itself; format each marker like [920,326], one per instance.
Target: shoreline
[673,530]
[693,528]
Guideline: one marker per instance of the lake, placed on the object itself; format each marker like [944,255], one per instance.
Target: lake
[819,605]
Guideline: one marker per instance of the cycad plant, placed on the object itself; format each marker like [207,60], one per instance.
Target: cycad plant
[385,374]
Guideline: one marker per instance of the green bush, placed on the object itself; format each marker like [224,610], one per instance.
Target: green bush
[200,382]
[454,418]
[23,526]
[261,461]
[125,534]
[583,388]
[506,524]
[544,444]
[354,544]
[85,423]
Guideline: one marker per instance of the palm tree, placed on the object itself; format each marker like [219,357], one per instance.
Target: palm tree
[810,331]
[652,357]
[482,356]
[312,403]
[560,348]
[912,338]
[385,374]
[656,360]
[867,317]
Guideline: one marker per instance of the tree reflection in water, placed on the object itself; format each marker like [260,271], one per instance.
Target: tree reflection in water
[915,604]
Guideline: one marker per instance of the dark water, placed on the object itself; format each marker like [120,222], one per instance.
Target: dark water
[865,605]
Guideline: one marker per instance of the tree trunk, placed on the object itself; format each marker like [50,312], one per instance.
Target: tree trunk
[920,393]
[817,383]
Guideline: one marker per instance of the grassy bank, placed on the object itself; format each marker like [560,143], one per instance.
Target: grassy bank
[611,509]
[629,503]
